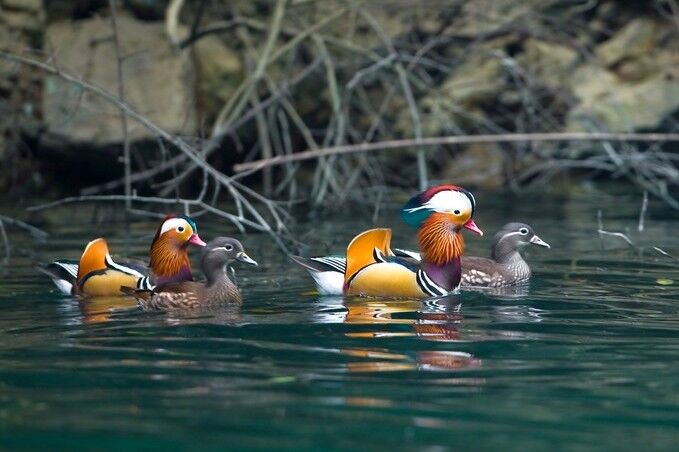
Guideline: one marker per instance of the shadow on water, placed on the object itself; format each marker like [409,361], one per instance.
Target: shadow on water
[584,358]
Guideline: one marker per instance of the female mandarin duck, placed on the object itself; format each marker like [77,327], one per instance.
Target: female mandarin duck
[217,288]
[506,267]
[372,269]
[97,274]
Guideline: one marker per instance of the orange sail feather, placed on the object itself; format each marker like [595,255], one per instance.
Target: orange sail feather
[360,250]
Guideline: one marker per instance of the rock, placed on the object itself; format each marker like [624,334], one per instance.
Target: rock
[23,5]
[484,16]
[147,9]
[22,15]
[551,64]
[219,71]
[477,82]
[393,20]
[158,81]
[20,29]
[479,165]
[645,66]
[21,20]
[634,40]
[611,104]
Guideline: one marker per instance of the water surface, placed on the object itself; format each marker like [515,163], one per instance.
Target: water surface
[587,359]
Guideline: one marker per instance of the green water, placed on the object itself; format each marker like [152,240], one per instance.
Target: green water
[587,360]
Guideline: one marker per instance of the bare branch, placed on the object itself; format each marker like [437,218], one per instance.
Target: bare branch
[449,140]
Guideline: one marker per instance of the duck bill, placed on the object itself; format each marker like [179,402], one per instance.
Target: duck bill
[195,240]
[535,240]
[472,227]
[244,258]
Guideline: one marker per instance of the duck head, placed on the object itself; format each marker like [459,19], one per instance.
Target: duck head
[448,201]
[169,259]
[219,252]
[511,237]
[179,231]
[440,213]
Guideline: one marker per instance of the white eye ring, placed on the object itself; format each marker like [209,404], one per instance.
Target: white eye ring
[523,231]
[228,247]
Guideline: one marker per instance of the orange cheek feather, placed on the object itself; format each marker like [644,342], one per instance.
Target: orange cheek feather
[439,238]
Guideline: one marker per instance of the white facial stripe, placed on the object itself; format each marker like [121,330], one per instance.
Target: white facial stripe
[174,223]
[508,235]
[449,201]
[222,248]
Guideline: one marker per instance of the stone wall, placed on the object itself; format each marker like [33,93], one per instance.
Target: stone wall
[474,66]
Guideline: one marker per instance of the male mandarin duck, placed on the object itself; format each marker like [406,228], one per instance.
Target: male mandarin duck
[97,274]
[506,267]
[217,288]
[372,269]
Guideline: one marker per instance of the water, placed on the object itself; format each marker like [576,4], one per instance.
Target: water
[587,360]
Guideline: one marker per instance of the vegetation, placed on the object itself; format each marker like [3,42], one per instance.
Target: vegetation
[157,103]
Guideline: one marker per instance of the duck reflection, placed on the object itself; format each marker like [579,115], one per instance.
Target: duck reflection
[513,292]
[434,320]
[103,309]
[100,309]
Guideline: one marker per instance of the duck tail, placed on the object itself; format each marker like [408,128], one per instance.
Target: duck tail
[321,263]
[361,250]
[93,258]
[327,272]
[63,273]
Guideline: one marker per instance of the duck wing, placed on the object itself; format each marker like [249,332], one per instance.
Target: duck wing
[187,294]
[327,272]
[365,249]
[481,272]
[373,270]
[322,263]
[63,272]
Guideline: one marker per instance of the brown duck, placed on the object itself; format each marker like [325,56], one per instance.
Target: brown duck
[506,266]
[217,288]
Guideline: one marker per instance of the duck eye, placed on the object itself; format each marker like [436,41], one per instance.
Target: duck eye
[228,247]
[180,228]
[456,211]
[523,231]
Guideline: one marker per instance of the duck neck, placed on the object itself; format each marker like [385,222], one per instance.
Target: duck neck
[441,246]
[219,286]
[505,251]
[169,262]
[514,263]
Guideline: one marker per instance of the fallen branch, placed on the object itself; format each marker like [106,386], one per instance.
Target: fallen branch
[234,188]
[35,232]
[450,140]
[665,253]
[642,213]
[5,242]
[127,161]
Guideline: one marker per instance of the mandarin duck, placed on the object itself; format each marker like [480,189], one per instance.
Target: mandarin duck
[372,269]
[217,288]
[506,267]
[97,274]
